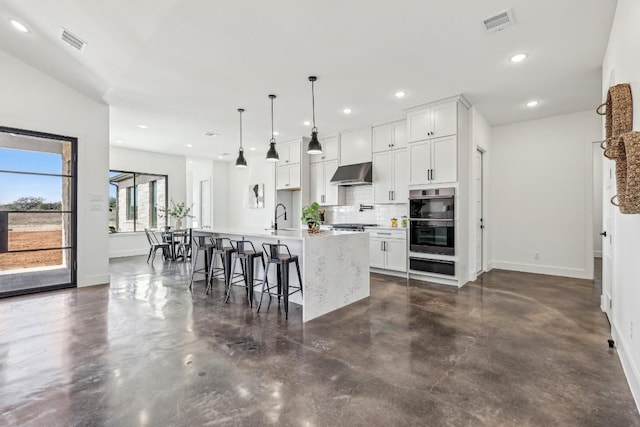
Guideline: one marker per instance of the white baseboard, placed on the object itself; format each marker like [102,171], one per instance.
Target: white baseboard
[542,269]
[129,252]
[631,370]
[96,279]
[388,272]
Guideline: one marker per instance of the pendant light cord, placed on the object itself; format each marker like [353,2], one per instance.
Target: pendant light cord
[240,130]
[313,106]
[272,138]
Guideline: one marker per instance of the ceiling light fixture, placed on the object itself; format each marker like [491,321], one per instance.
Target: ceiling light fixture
[532,103]
[400,94]
[347,111]
[189,145]
[314,145]
[272,153]
[143,126]
[306,123]
[119,141]
[518,58]
[19,26]
[276,133]
[240,161]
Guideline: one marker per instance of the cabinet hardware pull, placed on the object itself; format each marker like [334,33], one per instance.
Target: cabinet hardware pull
[386,234]
[433,174]
[382,245]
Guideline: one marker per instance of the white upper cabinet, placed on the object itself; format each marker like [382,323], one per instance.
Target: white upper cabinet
[433,122]
[389,136]
[355,146]
[391,177]
[433,161]
[289,153]
[330,150]
[288,177]
[322,191]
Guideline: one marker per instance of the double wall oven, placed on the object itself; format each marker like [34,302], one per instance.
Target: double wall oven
[431,221]
[432,230]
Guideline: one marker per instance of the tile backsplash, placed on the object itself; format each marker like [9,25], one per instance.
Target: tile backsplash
[363,194]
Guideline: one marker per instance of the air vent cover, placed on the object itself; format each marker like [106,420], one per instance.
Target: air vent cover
[74,41]
[499,21]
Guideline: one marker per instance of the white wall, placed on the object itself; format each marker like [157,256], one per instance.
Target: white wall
[124,159]
[622,65]
[33,101]
[480,140]
[258,171]
[541,195]
[221,194]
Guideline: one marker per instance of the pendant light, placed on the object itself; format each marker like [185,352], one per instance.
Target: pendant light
[314,145]
[240,161]
[272,154]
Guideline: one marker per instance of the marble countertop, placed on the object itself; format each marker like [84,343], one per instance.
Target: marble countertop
[292,234]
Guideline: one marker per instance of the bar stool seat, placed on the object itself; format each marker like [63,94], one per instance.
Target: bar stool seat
[247,259]
[283,262]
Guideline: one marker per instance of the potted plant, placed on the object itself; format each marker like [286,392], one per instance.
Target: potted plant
[311,215]
[178,211]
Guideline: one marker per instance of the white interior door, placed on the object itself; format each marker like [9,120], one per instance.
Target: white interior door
[477,182]
[608,221]
[205,203]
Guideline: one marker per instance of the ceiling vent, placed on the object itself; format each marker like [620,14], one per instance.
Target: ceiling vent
[498,22]
[72,40]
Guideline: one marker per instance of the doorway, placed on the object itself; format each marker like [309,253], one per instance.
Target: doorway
[37,211]
[478,182]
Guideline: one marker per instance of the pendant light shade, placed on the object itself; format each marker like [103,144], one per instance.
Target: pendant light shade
[272,154]
[241,162]
[314,145]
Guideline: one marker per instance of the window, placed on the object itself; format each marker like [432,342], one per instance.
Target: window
[131,203]
[136,201]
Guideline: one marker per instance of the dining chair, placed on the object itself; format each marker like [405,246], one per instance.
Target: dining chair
[154,245]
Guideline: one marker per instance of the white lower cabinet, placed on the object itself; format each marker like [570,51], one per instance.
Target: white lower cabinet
[388,249]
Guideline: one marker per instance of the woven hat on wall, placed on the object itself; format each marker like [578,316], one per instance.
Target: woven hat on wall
[618,112]
[627,148]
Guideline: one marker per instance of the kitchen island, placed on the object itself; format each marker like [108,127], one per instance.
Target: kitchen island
[334,265]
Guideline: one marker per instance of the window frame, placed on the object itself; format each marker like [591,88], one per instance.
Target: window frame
[153,211]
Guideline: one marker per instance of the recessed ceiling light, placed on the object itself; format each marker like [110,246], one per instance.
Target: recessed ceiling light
[190,161]
[518,58]
[221,157]
[253,148]
[400,94]
[143,126]
[119,141]
[211,134]
[19,26]
[347,111]
[532,103]
[276,133]
[189,145]
[306,123]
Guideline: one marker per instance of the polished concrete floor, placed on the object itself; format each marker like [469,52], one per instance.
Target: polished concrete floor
[511,349]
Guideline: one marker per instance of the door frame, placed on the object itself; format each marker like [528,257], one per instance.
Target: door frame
[74,208]
[483,215]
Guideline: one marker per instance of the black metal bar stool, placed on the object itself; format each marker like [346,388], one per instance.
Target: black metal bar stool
[201,245]
[283,262]
[225,253]
[247,257]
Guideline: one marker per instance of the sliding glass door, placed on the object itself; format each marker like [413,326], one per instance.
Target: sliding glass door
[37,211]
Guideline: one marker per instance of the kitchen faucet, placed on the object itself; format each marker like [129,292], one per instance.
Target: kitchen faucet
[275,219]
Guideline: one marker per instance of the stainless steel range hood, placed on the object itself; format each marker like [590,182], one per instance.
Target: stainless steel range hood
[357,174]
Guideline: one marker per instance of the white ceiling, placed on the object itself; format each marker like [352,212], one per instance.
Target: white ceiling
[184,67]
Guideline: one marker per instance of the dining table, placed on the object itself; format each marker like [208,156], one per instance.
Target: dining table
[178,239]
